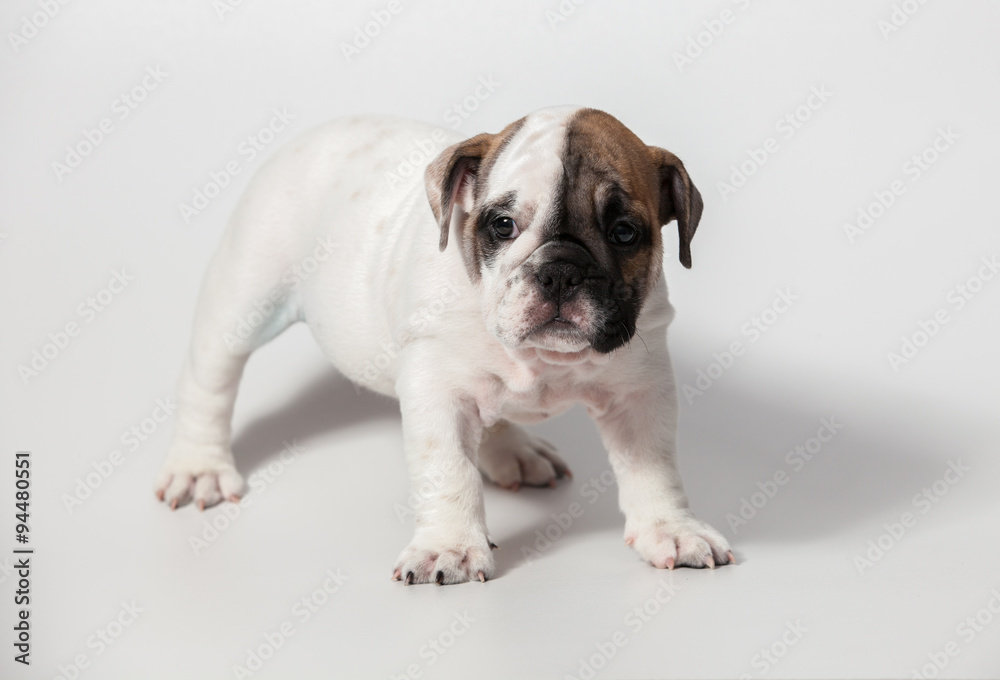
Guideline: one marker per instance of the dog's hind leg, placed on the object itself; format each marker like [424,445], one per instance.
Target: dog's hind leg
[244,302]
[511,457]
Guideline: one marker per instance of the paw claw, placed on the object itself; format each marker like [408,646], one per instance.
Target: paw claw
[493,546]
[444,559]
[681,540]
[201,474]
[482,577]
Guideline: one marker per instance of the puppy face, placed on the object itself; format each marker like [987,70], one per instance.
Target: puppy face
[558,220]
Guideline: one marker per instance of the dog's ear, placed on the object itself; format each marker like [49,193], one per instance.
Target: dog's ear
[679,199]
[451,180]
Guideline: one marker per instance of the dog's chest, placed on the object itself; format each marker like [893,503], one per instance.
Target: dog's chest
[533,392]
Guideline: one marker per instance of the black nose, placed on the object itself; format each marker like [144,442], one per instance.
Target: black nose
[559,280]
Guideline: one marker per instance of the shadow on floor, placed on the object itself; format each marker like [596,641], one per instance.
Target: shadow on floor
[328,403]
[732,445]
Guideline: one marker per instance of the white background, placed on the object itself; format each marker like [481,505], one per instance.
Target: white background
[335,507]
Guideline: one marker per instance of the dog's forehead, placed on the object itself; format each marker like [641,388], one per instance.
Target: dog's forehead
[529,166]
[602,155]
[556,147]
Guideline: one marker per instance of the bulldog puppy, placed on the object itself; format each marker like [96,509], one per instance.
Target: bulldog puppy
[507,278]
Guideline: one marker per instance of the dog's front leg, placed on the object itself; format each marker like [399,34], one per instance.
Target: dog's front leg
[640,434]
[442,432]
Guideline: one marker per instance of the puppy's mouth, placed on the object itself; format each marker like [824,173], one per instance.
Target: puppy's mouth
[558,334]
[558,323]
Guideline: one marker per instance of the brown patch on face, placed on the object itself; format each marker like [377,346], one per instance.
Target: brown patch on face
[602,242]
[652,176]
[611,177]
[603,232]
[600,246]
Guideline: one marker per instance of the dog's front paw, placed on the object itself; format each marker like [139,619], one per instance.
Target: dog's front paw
[510,457]
[434,559]
[681,541]
[206,475]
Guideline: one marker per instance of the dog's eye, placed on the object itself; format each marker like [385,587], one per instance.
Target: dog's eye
[623,234]
[504,227]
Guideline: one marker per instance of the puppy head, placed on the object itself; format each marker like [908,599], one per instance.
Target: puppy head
[558,220]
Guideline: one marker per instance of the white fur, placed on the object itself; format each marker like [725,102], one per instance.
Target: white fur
[460,366]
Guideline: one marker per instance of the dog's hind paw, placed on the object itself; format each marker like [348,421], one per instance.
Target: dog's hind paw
[511,458]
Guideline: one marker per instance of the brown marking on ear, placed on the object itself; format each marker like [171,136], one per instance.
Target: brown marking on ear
[452,172]
[679,199]
[462,167]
